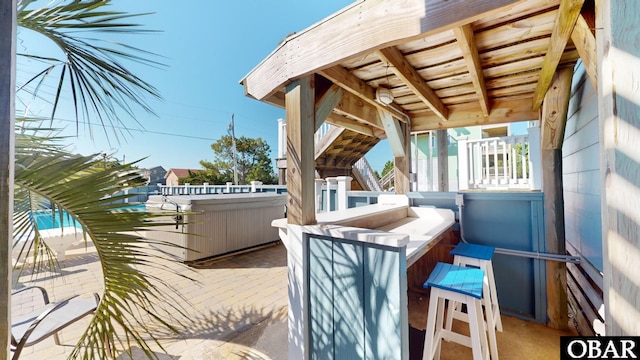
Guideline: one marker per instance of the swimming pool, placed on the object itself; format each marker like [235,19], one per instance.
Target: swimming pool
[45,219]
[59,230]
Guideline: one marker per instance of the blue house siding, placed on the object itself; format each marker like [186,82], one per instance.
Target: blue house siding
[581,172]
[583,225]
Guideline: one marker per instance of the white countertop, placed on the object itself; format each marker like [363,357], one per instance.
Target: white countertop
[415,231]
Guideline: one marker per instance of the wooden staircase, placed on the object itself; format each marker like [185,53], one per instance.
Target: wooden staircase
[336,152]
[339,150]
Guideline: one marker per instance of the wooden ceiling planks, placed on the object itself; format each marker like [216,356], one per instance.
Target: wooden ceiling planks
[463,68]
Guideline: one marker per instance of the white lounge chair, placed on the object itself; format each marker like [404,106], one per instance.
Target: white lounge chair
[48,319]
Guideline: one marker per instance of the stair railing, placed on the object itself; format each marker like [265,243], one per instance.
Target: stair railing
[369,176]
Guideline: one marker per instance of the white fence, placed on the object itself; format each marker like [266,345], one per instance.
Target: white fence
[509,162]
[188,189]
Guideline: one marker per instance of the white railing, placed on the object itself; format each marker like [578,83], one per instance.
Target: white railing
[322,131]
[387,180]
[282,136]
[509,162]
[228,188]
[363,167]
[341,185]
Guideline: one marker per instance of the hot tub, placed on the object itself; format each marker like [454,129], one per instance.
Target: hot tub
[217,224]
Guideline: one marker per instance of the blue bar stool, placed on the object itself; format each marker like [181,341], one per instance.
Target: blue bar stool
[479,256]
[462,285]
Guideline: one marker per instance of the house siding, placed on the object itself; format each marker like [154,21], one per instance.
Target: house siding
[583,226]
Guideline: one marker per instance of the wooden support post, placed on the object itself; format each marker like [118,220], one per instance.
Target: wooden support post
[300,112]
[7,144]
[443,160]
[402,164]
[618,30]
[554,119]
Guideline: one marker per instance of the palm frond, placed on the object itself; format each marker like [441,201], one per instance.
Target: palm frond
[92,68]
[133,288]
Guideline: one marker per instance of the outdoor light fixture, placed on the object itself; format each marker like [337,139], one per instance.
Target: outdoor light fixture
[384,95]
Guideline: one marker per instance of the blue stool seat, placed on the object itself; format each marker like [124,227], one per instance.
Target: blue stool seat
[463,280]
[479,256]
[461,285]
[481,252]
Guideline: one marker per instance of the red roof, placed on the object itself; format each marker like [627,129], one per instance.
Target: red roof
[180,172]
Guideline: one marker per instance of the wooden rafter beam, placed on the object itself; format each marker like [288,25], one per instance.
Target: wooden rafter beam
[566,18]
[277,99]
[467,42]
[357,29]
[408,74]
[585,43]
[349,124]
[470,114]
[361,110]
[343,78]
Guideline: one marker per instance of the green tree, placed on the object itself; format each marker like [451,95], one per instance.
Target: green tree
[386,178]
[102,89]
[211,176]
[520,153]
[253,161]
[388,166]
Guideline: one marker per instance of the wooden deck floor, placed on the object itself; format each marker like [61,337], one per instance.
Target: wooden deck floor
[234,321]
[520,339]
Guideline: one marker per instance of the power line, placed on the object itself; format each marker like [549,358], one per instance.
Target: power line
[143,131]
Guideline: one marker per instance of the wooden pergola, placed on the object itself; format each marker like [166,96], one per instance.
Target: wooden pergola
[448,63]
[456,63]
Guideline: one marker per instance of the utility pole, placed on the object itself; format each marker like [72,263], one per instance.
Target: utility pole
[231,129]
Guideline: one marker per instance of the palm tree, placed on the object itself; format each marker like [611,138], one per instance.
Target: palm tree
[48,177]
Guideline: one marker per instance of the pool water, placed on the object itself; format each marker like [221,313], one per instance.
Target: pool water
[46,220]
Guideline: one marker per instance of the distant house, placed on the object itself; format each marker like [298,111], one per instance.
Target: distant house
[172,178]
[154,175]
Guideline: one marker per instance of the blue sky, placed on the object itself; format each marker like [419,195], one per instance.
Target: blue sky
[208,47]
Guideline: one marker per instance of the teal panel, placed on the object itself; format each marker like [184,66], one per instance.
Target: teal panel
[348,300]
[506,225]
[320,277]
[357,299]
[386,333]
[510,220]
[355,201]
[334,200]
